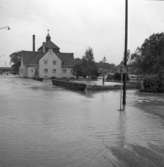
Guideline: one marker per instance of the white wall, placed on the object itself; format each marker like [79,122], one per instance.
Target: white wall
[31,72]
[22,70]
[50,56]
[25,71]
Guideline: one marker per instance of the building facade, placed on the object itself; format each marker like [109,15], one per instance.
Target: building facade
[46,62]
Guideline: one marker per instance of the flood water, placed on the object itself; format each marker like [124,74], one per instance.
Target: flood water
[46,126]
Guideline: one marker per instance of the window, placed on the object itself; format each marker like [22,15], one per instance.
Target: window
[54,70]
[45,61]
[45,70]
[64,70]
[54,62]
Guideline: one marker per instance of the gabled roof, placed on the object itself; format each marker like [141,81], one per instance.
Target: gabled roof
[49,45]
[67,59]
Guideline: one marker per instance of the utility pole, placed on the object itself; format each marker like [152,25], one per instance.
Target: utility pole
[125,55]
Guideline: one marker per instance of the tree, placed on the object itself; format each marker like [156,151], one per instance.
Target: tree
[15,59]
[89,55]
[86,66]
[78,68]
[128,56]
[149,58]
[90,68]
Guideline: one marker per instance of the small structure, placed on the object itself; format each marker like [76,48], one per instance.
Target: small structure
[5,70]
[46,62]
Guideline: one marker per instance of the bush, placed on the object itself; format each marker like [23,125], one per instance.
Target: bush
[53,77]
[94,77]
[152,83]
[115,77]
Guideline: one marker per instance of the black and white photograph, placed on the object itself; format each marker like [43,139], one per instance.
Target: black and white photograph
[81,83]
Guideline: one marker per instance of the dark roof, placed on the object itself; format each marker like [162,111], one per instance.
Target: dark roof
[67,59]
[49,45]
[30,57]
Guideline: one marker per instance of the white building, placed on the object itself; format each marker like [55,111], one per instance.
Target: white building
[47,62]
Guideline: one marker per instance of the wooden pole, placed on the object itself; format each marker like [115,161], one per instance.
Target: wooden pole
[125,54]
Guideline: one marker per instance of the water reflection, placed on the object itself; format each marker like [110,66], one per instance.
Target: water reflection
[122,129]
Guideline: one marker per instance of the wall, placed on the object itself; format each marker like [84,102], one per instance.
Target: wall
[60,72]
[31,72]
[49,57]
[22,69]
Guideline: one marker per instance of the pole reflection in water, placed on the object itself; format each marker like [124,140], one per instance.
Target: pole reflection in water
[122,129]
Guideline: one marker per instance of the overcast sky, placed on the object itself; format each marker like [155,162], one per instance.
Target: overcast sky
[77,24]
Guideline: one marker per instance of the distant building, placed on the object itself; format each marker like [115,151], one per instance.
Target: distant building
[106,68]
[47,62]
[5,70]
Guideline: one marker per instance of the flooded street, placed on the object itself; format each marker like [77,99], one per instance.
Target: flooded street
[46,126]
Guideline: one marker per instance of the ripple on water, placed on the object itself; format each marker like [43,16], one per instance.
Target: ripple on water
[41,125]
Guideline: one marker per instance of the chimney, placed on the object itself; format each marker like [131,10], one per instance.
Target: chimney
[33,43]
